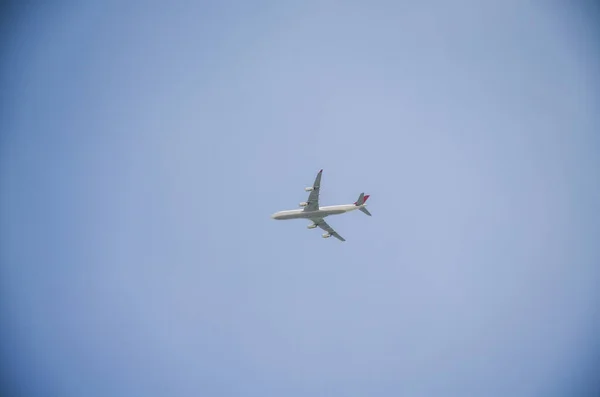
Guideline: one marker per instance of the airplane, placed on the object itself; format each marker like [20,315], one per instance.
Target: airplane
[316,214]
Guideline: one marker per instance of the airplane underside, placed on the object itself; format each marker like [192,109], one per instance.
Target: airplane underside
[309,215]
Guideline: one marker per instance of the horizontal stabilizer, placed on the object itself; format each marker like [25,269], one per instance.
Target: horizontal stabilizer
[364,211]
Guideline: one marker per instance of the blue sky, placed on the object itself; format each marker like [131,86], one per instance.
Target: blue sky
[144,149]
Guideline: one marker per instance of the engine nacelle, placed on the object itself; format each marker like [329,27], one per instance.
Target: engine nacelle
[312,226]
[326,235]
[303,204]
[309,189]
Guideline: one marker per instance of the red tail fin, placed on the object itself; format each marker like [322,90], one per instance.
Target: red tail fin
[361,199]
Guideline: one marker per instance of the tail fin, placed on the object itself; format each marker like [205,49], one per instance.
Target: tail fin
[361,199]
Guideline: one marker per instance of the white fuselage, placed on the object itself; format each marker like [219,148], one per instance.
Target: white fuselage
[320,213]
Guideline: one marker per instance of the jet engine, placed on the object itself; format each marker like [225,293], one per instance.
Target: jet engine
[326,235]
[309,189]
[303,204]
[311,226]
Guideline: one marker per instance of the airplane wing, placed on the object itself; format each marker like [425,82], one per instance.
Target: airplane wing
[313,197]
[323,225]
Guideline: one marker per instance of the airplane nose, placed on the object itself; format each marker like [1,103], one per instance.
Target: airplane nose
[273,216]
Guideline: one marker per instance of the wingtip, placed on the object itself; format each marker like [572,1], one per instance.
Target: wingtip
[321,171]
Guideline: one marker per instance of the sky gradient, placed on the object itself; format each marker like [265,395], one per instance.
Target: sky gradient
[143,150]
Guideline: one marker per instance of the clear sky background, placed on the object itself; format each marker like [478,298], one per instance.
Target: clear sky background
[145,147]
